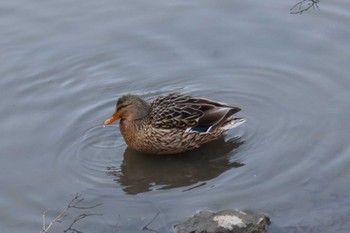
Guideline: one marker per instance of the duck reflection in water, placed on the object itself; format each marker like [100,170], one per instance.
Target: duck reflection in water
[142,173]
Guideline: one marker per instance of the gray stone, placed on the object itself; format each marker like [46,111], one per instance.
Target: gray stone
[226,221]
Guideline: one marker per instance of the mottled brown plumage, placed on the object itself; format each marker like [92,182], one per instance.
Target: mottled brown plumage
[173,123]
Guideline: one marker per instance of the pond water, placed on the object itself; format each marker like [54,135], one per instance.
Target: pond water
[64,63]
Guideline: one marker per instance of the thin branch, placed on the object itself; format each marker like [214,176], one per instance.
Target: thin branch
[116,227]
[303,6]
[150,222]
[77,199]
[77,219]
[58,218]
[73,204]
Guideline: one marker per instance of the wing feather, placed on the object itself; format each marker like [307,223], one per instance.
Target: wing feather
[182,112]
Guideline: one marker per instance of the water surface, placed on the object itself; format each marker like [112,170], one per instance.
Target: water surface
[65,63]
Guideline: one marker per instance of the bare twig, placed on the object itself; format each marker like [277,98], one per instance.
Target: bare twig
[77,199]
[303,6]
[149,223]
[73,204]
[116,227]
[58,218]
[79,217]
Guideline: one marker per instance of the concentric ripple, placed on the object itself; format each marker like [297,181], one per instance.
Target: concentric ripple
[89,155]
[283,108]
[101,137]
[291,129]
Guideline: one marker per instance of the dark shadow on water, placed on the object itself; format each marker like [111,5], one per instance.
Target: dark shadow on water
[142,173]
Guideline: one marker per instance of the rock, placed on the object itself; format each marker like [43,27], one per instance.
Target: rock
[226,221]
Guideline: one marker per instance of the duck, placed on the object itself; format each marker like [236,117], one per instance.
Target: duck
[172,123]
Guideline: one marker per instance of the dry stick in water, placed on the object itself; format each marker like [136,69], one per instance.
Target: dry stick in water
[73,204]
[146,226]
[300,6]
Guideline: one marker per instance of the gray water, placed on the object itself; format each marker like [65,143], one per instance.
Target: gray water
[64,63]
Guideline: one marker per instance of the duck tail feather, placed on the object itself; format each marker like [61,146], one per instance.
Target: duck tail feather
[233,123]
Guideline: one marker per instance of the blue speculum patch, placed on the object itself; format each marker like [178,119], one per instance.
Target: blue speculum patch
[199,129]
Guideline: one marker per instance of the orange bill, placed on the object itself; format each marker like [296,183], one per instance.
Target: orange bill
[112,119]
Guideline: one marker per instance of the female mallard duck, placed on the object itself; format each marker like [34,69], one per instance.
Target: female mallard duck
[173,123]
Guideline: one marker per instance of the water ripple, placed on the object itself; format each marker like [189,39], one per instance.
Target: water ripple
[100,137]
